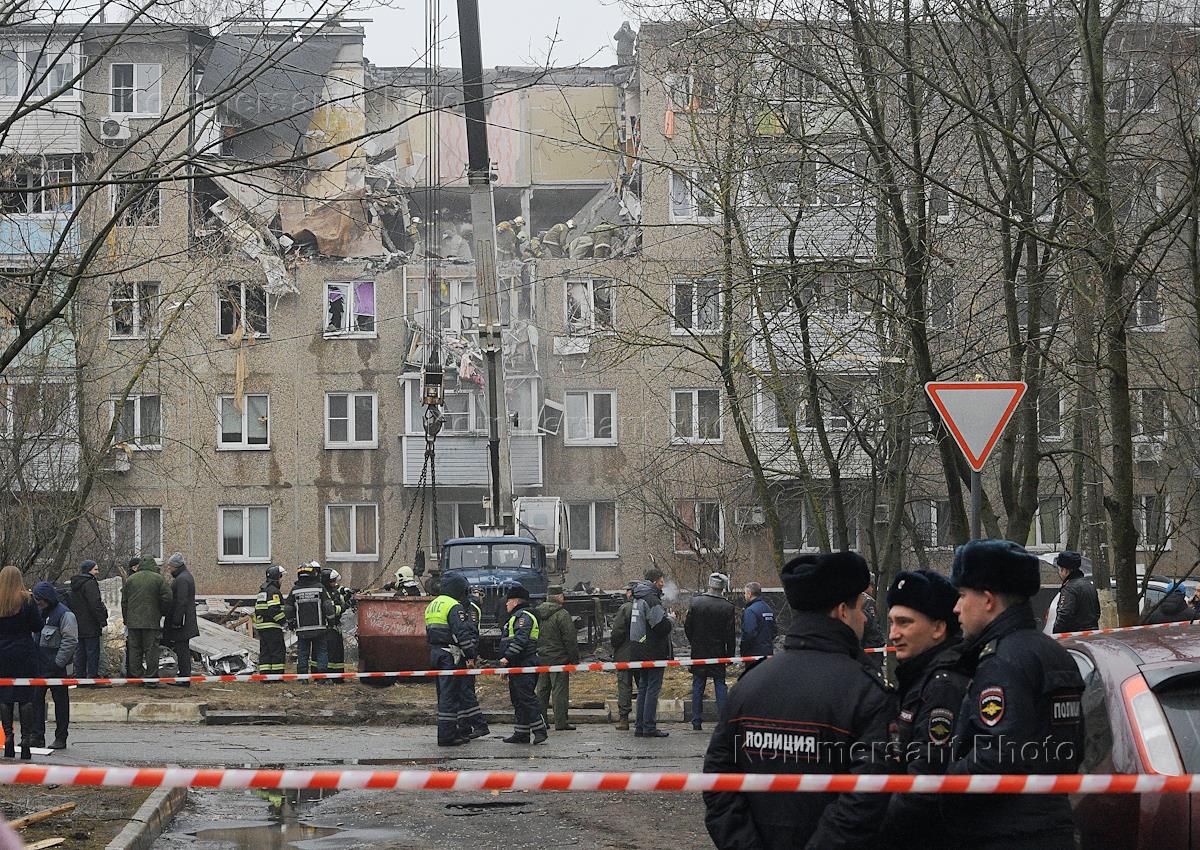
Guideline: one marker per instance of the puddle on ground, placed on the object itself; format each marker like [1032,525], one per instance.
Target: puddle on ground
[274,836]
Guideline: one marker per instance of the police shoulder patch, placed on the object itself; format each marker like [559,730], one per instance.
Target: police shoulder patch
[941,725]
[991,705]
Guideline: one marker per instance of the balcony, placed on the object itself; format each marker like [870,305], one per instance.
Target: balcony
[53,129]
[463,460]
[37,234]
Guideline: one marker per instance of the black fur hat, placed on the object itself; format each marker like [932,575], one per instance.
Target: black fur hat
[821,582]
[517,591]
[1000,566]
[928,592]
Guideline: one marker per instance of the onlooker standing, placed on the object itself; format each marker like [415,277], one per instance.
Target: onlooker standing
[145,597]
[181,625]
[872,636]
[56,649]
[621,651]
[19,622]
[758,625]
[1078,601]
[650,637]
[91,617]
[712,631]
[558,643]
[1173,608]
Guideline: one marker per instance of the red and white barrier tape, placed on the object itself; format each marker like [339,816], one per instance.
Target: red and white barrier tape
[502,780]
[595,667]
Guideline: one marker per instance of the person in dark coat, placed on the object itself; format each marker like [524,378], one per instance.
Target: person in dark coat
[1078,602]
[181,624]
[453,637]
[650,640]
[558,643]
[19,622]
[269,620]
[758,625]
[145,598]
[1023,710]
[817,707]
[924,631]
[91,616]
[518,648]
[1173,608]
[711,629]
[619,639]
[57,641]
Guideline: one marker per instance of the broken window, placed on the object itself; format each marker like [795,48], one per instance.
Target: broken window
[51,67]
[38,184]
[143,194]
[351,532]
[248,428]
[245,533]
[134,309]
[244,305]
[696,306]
[139,421]
[591,417]
[521,401]
[700,526]
[696,415]
[350,308]
[693,196]
[350,420]
[589,305]
[137,532]
[516,299]
[136,89]
[463,412]
[593,528]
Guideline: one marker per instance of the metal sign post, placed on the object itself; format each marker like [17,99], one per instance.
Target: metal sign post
[976,413]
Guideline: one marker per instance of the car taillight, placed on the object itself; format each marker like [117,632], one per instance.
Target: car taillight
[1155,743]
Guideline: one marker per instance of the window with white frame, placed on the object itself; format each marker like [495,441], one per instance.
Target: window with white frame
[590,305]
[1150,414]
[244,427]
[350,421]
[1049,523]
[458,519]
[245,534]
[135,89]
[694,197]
[695,306]
[38,410]
[836,180]
[1135,85]
[931,519]
[940,311]
[1050,405]
[522,404]
[696,416]
[350,308]
[458,308]
[49,67]
[241,304]
[463,412]
[137,532]
[833,290]
[694,90]
[1047,302]
[699,526]
[37,185]
[1146,311]
[839,405]
[802,532]
[352,532]
[10,73]
[133,307]
[939,204]
[778,405]
[144,196]
[1045,192]
[139,422]
[593,528]
[591,418]
[1153,517]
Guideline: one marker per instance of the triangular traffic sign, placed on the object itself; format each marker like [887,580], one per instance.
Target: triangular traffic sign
[976,413]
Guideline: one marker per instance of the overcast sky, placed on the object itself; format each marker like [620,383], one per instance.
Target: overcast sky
[514,32]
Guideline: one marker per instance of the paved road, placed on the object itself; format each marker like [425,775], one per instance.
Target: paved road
[219,820]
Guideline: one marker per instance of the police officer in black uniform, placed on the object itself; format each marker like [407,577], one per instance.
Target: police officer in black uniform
[924,632]
[453,641]
[817,707]
[518,648]
[1022,712]
[470,715]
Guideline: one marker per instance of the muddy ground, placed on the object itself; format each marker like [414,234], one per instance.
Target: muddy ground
[99,814]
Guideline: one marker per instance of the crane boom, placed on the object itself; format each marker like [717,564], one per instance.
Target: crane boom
[483,222]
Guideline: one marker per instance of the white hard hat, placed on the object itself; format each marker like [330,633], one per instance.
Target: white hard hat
[334,575]
[405,573]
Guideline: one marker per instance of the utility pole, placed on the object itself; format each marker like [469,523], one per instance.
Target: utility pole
[483,220]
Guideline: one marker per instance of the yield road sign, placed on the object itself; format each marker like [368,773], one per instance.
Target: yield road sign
[976,413]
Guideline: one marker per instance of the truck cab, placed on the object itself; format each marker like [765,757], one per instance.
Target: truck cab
[491,565]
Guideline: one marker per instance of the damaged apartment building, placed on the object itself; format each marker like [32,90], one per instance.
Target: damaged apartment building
[268,235]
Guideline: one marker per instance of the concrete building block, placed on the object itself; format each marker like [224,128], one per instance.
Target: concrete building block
[98,712]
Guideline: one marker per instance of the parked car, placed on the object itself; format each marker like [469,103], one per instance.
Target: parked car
[1141,707]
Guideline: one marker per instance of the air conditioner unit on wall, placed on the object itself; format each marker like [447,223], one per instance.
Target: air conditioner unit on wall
[114,128]
[1147,452]
[749,516]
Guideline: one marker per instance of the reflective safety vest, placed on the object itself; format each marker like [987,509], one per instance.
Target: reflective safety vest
[437,612]
[534,632]
[478,612]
